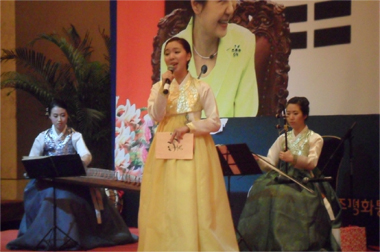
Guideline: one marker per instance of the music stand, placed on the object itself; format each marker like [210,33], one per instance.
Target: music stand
[51,167]
[237,160]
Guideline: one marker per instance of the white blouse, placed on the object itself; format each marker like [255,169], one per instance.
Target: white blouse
[77,140]
[157,107]
[308,162]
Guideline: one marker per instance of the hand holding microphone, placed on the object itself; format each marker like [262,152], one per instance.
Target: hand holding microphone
[168,81]
[171,69]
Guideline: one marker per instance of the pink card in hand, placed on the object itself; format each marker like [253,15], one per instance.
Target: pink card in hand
[175,150]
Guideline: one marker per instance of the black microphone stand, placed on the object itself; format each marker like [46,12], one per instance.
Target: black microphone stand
[346,136]
[349,136]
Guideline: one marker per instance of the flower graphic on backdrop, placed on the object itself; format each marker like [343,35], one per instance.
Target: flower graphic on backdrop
[133,136]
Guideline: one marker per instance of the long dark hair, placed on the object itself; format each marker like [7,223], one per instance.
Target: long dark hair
[187,5]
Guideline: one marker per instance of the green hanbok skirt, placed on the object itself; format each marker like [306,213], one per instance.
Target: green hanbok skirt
[286,217]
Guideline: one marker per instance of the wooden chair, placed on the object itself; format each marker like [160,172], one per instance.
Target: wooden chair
[267,21]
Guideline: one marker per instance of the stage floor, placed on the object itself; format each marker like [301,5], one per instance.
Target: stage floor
[9,235]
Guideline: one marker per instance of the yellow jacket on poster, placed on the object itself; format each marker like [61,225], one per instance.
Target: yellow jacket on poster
[233,79]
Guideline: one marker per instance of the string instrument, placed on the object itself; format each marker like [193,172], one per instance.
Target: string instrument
[284,177]
[283,128]
[288,179]
[97,177]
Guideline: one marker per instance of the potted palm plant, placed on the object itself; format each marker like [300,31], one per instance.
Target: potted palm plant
[83,84]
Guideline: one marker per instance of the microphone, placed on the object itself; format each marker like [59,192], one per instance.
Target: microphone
[203,70]
[167,81]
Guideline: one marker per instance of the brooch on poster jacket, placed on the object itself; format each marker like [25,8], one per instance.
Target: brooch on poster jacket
[236,50]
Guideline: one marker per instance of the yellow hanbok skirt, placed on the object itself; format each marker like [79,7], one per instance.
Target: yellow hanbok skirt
[183,203]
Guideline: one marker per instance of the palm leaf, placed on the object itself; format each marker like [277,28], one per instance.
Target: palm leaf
[73,35]
[84,46]
[107,41]
[74,56]
[34,61]
[28,84]
[83,84]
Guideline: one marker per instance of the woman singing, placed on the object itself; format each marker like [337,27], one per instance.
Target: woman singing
[184,204]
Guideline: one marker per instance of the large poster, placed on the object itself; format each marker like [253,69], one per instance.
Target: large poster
[245,64]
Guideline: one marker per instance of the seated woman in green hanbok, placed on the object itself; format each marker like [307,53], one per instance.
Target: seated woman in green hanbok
[284,216]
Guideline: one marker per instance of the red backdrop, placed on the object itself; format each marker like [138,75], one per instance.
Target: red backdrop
[136,27]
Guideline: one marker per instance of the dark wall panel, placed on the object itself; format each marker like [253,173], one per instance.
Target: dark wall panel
[332,36]
[332,9]
[296,14]
[298,40]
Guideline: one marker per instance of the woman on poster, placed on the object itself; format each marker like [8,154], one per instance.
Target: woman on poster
[228,51]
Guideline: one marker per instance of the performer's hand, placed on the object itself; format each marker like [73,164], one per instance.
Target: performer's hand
[256,157]
[286,156]
[178,133]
